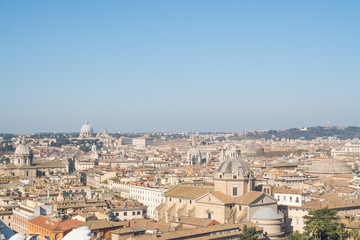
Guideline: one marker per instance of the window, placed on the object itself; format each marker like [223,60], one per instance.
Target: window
[234,191]
[125,213]
[133,213]
[138,212]
[290,199]
[297,200]
[180,200]
[209,215]
[220,176]
[297,221]
[284,199]
[234,177]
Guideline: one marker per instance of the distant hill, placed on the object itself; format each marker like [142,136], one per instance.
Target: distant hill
[307,133]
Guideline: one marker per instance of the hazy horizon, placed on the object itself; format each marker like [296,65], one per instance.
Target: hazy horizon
[178,66]
[96,131]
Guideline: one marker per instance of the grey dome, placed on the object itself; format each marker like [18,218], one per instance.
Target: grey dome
[194,152]
[86,130]
[23,149]
[266,214]
[330,166]
[233,166]
[86,127]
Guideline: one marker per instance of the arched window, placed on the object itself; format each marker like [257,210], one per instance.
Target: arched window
[209,215]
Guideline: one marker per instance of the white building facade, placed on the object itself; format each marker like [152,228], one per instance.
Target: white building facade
[150,197]
[290,197]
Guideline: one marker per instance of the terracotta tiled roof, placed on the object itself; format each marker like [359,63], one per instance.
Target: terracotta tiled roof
[314,204]
[195,232]
[99,224]
[337,183]
[349,176]
[248,197]
[198,221]
[148,224]
[187,191]
[222,197]
[345,190]
[53,225]
[67,224]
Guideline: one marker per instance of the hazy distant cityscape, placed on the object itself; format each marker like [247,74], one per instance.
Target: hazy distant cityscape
[179,120]
[178,185]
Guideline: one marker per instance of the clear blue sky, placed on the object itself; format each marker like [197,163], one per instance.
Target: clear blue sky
[136,66]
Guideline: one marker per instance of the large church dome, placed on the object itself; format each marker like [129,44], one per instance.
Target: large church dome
[86,130]
[330,166]
[23,154]
[233,167]
[23,149]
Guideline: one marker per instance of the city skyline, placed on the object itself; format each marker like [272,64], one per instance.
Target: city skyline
[136,66]
[99,130]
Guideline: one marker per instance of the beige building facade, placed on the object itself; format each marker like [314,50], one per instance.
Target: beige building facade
[232,199]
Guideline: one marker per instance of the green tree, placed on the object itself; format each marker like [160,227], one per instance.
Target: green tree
[248,233]
[341,232]
[321,224]
[355,233]
[296,236]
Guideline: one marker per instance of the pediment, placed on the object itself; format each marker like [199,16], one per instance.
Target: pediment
[264,199]
[210,199]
